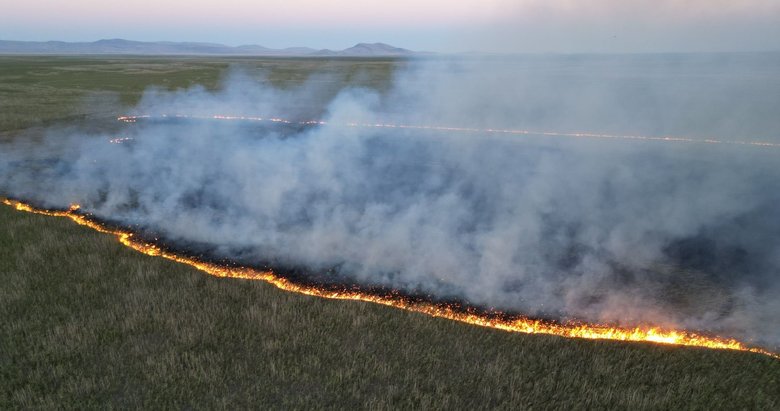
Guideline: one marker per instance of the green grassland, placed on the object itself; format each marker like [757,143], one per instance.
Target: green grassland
[89,323]
[39,91]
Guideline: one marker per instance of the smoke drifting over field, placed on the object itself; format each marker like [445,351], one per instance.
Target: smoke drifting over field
[669,233]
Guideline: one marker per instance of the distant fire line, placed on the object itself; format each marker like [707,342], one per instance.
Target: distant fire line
[514,323]
[629,137]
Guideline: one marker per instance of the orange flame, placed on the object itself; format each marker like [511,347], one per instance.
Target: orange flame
[519,132]
[512,324]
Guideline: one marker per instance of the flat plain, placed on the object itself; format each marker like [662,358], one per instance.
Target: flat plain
[89,323]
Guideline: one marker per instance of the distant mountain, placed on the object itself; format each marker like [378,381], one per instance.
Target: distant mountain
[376,49]
[121,46]
[367,50]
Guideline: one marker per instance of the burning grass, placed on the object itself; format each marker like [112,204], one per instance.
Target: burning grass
[91,323]
[392,298]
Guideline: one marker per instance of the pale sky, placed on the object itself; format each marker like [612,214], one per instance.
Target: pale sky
[436,25]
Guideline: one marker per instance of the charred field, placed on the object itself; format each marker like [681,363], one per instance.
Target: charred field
[91,323]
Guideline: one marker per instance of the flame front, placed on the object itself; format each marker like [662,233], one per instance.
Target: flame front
[515,132]
[507,323]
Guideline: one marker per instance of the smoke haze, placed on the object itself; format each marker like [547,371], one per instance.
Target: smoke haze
[625,231]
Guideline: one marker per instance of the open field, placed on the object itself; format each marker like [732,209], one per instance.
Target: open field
[89,323]
[36,91]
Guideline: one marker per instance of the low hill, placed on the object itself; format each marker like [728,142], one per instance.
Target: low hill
[366,50]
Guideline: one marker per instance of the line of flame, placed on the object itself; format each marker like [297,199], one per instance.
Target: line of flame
[512,324]
[583,135]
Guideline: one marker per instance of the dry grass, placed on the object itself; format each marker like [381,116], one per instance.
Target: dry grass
[37,91]
[88,323]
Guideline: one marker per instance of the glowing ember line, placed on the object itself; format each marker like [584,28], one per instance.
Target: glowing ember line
[583,135]
[120,140]
[506,323]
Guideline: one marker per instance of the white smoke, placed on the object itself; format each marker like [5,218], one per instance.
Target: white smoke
[678,234]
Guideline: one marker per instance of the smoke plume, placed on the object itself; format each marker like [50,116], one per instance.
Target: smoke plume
[626,231]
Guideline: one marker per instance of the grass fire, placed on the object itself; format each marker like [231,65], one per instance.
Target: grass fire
[517,132]
[511,323]
[326,231]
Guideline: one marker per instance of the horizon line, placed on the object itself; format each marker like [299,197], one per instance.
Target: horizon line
[359,43]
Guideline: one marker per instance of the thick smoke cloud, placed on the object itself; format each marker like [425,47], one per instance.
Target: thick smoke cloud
[625,231]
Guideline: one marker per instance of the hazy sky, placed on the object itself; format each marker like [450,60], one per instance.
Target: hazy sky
[439,25]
